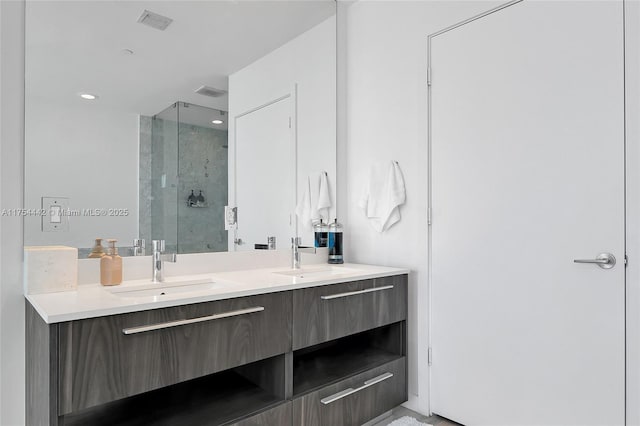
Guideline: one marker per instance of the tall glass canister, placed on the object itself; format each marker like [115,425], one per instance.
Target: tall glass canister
[335,243]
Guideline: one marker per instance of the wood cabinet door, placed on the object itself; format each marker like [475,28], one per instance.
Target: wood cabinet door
[356,400]
[277,416]
[108,358]
[325,313]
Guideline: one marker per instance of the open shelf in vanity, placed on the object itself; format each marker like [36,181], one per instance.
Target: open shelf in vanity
[330,362]
[213,400]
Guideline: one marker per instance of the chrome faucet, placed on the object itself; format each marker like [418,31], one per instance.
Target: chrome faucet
[296,249]
[159,257]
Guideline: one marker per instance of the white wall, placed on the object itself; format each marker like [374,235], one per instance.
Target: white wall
[386,116]
[309,61]
[12,372]
[81,150]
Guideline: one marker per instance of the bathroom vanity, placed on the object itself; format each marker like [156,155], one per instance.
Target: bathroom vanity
[261,348]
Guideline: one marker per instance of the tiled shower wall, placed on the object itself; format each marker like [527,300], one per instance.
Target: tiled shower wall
[202,166]
[144,178]
[175,159]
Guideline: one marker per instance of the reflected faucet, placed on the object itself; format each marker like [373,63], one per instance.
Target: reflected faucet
[296,249]
[138,247]
[159,257]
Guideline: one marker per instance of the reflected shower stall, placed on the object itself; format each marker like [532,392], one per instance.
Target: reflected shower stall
[183,178]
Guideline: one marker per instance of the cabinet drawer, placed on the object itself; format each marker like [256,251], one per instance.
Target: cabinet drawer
[108,358]
[356,400]
[325,313]
[277,416]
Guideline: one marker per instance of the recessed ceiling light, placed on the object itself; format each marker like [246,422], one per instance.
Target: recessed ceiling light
[88,96]
[217,121]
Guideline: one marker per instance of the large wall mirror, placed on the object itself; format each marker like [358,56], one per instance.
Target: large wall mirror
[145,119]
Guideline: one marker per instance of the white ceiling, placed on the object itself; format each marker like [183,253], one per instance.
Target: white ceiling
[77,46]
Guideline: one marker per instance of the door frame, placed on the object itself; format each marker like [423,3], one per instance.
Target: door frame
[631,59]
[293,113]
[632,183]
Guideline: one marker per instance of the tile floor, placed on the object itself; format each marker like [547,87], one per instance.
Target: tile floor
[402,411]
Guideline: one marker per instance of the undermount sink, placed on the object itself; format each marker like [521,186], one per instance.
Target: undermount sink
[157,290]
[317,272]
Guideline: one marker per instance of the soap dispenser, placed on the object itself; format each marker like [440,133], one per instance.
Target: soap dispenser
[97,251]
[320,230]
[111,266]
[335,243]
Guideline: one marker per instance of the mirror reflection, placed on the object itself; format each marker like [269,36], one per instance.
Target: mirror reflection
[183,178]
[202,123]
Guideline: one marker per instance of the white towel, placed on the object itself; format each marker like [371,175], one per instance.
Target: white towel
[303,209]
[383,195]
[315,201]
[324,199]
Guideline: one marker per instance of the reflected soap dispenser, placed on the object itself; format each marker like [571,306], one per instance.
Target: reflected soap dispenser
[192,200]
[111,266]
[200,199]
[97,251]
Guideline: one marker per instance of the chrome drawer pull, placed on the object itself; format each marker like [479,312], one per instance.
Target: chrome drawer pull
[347,392]
[353,293]
[142,329]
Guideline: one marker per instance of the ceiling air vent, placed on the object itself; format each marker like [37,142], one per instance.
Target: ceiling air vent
[154,20]
[210,91]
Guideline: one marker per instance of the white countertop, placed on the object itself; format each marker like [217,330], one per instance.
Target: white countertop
[95,300]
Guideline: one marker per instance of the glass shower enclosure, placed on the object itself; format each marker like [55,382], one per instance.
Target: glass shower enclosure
[183,200]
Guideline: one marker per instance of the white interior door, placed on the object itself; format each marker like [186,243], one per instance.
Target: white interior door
[527,155]
[265,175]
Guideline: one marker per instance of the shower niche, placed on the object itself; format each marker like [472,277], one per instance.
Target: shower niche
[184,178]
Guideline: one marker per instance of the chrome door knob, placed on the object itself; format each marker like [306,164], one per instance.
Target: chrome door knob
[603,260]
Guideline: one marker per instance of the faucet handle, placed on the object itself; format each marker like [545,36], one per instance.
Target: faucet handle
[138,247]
[158,246]
[271,243]
[170,257]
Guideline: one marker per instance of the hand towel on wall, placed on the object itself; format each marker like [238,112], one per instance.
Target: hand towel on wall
[383,194]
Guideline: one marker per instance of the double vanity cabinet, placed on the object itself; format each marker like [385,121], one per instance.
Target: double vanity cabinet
[313,354]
